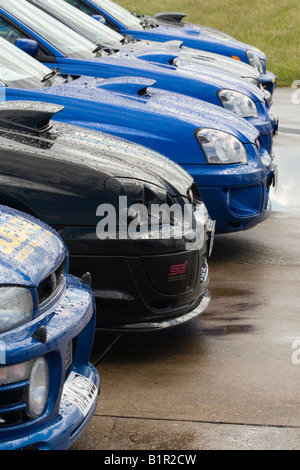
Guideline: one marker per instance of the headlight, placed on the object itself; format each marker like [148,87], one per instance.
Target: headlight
[142,210]
[221,148]
[38,388]
[16,307]
[238,103]
[268,98]
[253,81]
[254,61]
[140,198]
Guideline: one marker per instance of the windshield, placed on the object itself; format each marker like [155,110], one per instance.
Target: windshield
[119,13]
[92,28]
[60,36]
[18,69]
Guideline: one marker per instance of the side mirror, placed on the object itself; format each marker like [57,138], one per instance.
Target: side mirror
[100,18]
[29,46]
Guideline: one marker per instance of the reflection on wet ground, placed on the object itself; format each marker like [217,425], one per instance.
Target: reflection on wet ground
[287,150]
[227,330]
[287,196]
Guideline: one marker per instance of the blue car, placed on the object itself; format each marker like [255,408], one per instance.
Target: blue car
[48,388]
[127,23]
[58,46]
[158,52]
[217,148]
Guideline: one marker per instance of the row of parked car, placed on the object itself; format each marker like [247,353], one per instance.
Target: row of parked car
[105,117]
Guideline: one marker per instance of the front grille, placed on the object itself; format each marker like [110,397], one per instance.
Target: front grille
[12,404]
[270,181]
[52,283]
[204,272]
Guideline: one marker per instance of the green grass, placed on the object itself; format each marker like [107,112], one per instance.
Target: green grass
[272,26]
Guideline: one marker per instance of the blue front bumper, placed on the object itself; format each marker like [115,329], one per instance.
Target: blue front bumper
[66,416]
[236,204]
[61,433]
[269,81]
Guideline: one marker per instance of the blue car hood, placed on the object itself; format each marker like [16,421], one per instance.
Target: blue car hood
[205,36]
[34,256]
[125,92]
[206,76]
[162,52]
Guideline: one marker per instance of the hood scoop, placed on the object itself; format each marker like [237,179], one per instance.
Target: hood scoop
[34,117]
[160,58]
[130,86]
[174,44]
[173,16]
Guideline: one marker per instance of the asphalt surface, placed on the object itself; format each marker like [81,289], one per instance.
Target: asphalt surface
[229,379]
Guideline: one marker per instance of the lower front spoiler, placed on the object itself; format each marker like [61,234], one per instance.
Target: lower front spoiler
[166,323]
[61,433]
[269,82]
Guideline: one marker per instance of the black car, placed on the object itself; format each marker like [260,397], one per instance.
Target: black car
[70,177]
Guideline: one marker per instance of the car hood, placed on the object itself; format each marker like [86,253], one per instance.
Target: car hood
[164,51]
[204,37]
[158,64]
[95,152]
[174,20]
[130,93]
[39,252]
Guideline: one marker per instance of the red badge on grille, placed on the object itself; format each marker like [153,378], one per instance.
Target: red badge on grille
[178,269]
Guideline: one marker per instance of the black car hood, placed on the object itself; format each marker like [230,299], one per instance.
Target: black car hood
[98,151]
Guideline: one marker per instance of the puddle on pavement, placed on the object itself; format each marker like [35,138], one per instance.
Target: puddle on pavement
[287,196]
[227,330]
[230,292]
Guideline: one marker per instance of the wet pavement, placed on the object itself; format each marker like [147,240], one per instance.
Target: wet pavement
[227,379]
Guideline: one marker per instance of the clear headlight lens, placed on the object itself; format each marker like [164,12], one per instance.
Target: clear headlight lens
[38,388]
[141,210]
[268,98]
[254,61]
[16,307]
[238,103]
[253,81]
[141,197]
[221,148]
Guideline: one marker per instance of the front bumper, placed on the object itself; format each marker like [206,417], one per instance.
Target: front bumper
[269,81]
[146,285]
[61,433]
[70,320]
[134,293]
[267,126]
[236,206]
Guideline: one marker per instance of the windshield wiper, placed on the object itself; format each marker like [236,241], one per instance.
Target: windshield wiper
[98,51]
[110,50]
[148,24]
[127,39]
[47,78]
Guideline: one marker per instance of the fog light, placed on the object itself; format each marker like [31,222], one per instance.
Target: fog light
[38,388]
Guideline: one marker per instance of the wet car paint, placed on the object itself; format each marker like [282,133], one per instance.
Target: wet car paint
[114,43]
[199,82]
[30,252]
[191,37]
[125,107]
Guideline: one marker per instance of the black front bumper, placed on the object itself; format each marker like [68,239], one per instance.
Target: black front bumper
[145,293]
